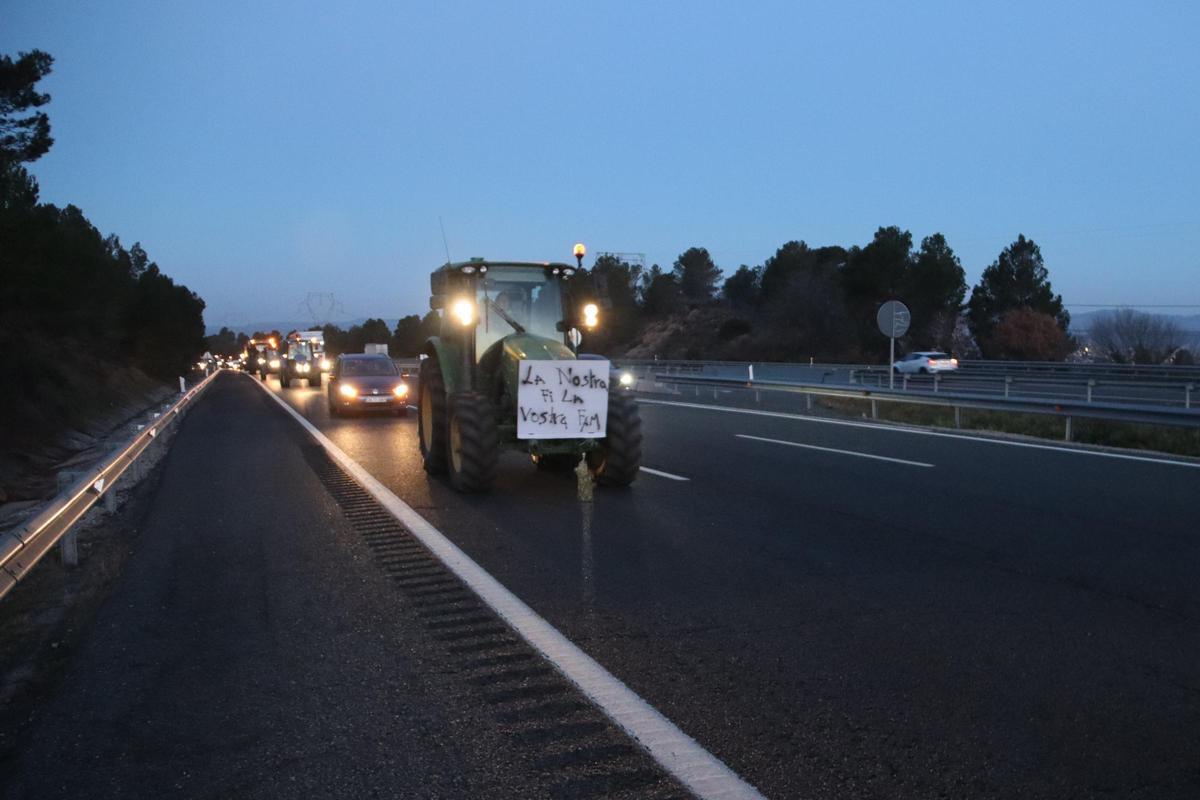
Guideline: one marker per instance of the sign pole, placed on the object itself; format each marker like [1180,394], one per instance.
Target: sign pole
[891,364]
[893,318]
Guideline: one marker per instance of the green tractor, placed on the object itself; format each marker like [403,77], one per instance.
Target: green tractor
[504,374]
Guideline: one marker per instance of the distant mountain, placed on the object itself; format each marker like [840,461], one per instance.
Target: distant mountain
[291,325]
[1081,322]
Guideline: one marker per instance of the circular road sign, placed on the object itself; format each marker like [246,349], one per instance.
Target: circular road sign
[893,319]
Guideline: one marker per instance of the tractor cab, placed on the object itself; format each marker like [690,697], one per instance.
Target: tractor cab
[486,302]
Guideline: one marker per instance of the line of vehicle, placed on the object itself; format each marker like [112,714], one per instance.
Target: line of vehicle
[675,751]
[924,432]
[834,450]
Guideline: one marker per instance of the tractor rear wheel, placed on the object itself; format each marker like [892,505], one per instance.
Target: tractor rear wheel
[431,409]
[284,380]
[314,380]
[619,457]
[473,446]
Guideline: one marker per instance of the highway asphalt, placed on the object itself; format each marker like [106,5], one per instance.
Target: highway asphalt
[835,609]
[272,637]
[841,609]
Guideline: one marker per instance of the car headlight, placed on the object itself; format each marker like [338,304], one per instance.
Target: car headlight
[463,310]
[346,390]
[262,361]
[274,363]
[626,379]
[401,390]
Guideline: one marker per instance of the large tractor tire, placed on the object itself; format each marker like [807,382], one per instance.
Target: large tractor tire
[472,444]
[619,457]
[314,381]
[431,410]
[285,381]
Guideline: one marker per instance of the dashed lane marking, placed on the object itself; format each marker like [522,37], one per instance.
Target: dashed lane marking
[662,474]
[1079,451]
[834,450]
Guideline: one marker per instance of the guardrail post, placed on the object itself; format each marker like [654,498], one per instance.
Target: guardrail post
[1007,384]
[937,380]
[1187,396]
[905,386]
[68,545]
[750,368]
[958,416]
[874,409]
[808,399]
[851,376]
[1091,384]
[1067,435]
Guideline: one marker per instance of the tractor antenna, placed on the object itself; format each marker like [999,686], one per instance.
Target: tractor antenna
[445,243]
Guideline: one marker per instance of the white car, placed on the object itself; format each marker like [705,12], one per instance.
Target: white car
[925,362]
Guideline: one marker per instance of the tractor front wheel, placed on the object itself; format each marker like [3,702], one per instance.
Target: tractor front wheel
[431,411]
[314,380]
[619,457]
[473,446]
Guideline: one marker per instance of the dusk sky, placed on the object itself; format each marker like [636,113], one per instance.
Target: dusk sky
[260,151]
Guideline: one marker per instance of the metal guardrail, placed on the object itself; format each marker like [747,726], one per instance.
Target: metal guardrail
[24,546]
[1068,409]
[1170,386]
[1177,373]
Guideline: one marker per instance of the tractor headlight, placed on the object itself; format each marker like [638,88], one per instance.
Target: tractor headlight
[591,315]
[302,367]
[325,365]
[626,379]
[463,310]
[401,390]
[346,390]
[262,361]
[274,363]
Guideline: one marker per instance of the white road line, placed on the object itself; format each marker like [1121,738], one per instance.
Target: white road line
[923,432]
[662,474]
[834,450]
[676,752]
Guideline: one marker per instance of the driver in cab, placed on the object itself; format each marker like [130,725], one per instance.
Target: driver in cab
[509,307]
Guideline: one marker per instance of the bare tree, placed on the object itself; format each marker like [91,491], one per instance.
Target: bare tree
[1126,336]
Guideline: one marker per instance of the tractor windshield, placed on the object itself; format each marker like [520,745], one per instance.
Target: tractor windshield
[517,300]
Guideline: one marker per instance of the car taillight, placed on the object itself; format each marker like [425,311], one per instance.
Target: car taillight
[954,361]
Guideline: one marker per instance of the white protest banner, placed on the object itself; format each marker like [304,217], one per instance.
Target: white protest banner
[562,399]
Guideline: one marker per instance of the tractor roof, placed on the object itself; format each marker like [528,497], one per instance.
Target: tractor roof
[484,262]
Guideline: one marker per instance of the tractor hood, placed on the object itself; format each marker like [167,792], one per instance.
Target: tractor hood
[505,356]
[532,347]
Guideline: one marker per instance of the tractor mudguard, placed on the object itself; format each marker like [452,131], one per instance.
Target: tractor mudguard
[450,359]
